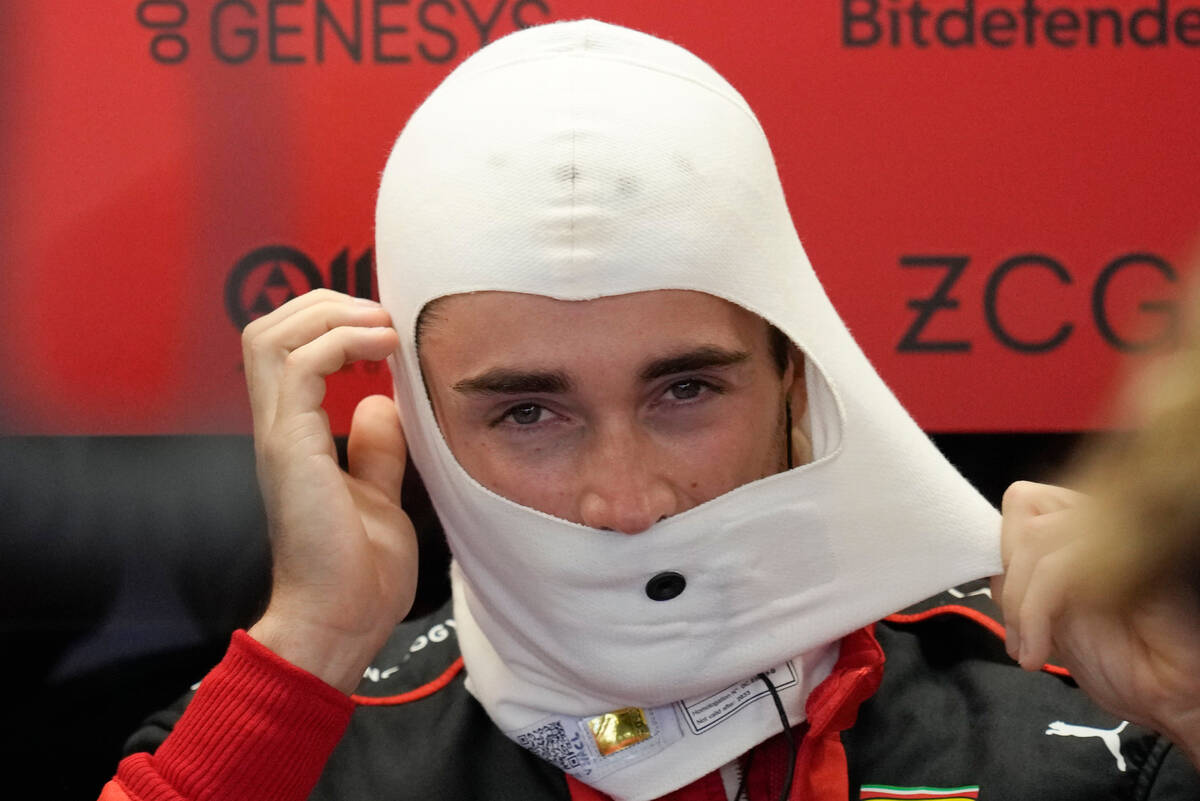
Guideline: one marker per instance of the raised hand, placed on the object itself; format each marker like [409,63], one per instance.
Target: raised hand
[344,552]
[1140,660]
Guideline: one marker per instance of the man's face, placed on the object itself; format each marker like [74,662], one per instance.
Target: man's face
[612,413]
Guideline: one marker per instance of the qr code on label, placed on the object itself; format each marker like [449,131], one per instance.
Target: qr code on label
[552,743]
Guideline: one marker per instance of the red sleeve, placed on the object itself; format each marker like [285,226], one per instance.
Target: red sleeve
[258,728]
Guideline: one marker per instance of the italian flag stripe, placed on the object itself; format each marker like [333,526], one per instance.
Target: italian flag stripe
[871,792]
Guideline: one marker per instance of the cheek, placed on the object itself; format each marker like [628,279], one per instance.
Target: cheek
[533,475]
[743,445]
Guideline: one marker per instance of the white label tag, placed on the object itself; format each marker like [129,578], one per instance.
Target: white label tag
[701,714]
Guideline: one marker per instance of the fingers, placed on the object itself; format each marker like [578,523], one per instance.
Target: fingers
[376,447]
[1046,601]
[268,341]
[1033,540]
[302,382]
[302,303]
[1025,500]
[1042,552]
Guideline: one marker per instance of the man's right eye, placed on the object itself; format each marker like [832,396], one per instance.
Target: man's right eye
[525,414]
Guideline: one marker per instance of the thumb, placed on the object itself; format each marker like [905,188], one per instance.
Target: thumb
[376,447]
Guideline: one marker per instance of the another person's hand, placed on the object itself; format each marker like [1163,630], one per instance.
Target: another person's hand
[344,553]
[1139,659]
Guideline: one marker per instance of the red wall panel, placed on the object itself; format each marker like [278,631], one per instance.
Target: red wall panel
[1000,195]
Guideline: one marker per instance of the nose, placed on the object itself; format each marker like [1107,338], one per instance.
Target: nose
[623,490]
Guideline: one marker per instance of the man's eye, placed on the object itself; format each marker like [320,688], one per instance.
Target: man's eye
[525,414]
[686,390]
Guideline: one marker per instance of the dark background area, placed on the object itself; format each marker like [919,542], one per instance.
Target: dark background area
[126,562]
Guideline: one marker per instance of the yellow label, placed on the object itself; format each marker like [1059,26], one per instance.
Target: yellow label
[618,730]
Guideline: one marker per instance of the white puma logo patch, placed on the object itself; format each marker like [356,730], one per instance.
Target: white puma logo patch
[1109,736]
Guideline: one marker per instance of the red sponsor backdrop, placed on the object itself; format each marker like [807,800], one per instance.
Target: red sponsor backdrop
[1001,197]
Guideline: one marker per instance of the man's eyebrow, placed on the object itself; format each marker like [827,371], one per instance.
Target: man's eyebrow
[707,356]
[504,381]
[507,381]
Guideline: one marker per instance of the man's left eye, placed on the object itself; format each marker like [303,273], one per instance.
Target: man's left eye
[686,390]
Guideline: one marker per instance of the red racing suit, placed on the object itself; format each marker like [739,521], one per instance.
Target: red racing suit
[924,704]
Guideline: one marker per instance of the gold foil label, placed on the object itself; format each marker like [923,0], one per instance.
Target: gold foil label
[616,731]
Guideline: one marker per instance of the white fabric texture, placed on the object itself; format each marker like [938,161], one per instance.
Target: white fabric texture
[579,160]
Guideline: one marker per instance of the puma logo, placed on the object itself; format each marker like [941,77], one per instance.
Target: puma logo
[1108,736]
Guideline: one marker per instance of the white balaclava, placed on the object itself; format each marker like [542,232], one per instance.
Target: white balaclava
[578,160]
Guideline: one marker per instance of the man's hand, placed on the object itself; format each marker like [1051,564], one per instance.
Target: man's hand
[344,553]
[1140,661]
